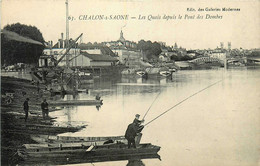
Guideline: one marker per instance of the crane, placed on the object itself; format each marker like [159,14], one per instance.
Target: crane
[72,44]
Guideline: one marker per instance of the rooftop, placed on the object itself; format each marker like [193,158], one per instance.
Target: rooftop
[104,49]
[14,36]
[100,58]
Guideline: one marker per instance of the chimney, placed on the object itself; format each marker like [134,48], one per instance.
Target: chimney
[61,41]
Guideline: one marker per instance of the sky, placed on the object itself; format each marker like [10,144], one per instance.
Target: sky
[241,28]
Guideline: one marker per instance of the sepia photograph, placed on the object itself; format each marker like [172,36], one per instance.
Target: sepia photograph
[130,82]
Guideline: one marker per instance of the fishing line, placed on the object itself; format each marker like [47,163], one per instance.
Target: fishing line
[182,102]
[151,105]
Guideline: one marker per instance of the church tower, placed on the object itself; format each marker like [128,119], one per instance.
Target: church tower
[122,37]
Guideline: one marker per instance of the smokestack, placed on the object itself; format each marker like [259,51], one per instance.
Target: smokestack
[61,41]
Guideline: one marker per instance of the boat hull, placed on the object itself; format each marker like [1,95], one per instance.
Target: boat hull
[137,73]
[99,153]
[75,102]
[158,72]
[43,139]
[42,129]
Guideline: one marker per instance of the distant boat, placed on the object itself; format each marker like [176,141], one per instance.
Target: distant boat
[132,72]
[173,70]
[141,73]
[86,78]
[158,72]
[165,73]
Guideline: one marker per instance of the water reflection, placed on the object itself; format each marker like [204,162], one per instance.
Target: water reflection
[135,163]
[143,81]
[98,107]
[86,159]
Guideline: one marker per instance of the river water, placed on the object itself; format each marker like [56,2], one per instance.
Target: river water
[218,126]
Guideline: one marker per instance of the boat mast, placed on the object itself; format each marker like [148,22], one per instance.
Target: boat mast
[67,30]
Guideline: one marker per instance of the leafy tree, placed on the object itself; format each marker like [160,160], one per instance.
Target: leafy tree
[89,44]
[141,45]
[149,49]
[175,57]
[255,54]
[21,52]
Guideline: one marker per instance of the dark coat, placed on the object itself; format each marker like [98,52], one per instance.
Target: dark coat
[131,131]
[136,121]
[44,106]
[26,105]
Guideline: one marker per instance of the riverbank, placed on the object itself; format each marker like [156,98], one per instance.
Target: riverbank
[14,130]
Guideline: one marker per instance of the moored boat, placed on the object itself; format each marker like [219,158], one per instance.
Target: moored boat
[43,129]
[75,102]
[134,73]
[142,73]
[67,139]
[165,73]
[86,78]
[82,153]
[158,72]
[90,151]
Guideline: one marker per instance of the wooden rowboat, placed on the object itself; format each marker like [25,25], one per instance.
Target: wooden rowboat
[158,72]
[75,102]
[93,149]
[165,73]
[47,139]
[134,73]
[81,153]
[43,129]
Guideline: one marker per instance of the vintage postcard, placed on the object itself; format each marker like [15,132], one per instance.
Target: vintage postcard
[130,82]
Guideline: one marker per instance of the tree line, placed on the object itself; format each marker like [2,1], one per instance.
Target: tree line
[149,49]
[13,51]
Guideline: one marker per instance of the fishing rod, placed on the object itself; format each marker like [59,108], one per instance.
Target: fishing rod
[151,105]
[181,102]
